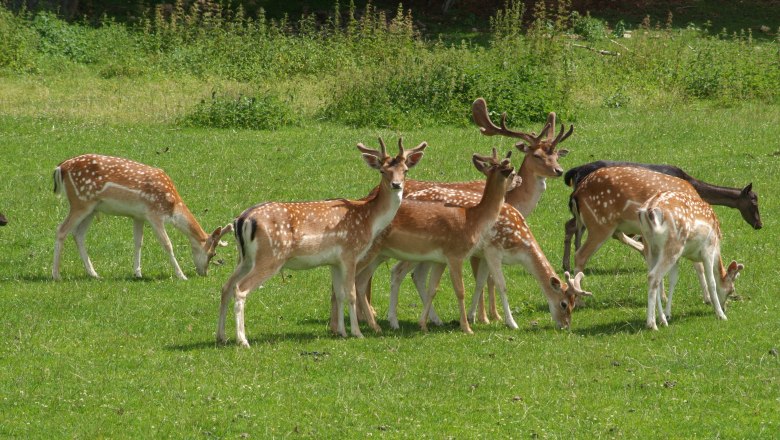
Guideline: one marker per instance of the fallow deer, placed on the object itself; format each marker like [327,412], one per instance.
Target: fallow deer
[509,242]
[115,186]
[606,204]
[744,199]
[680,224]
[539,163]
[426,231]
[335,233]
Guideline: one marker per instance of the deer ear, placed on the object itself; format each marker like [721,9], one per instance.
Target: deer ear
[372,161]
[563,152]
[748,188]
[413,159]
[734,269]
[480,164]
[525,149]
[555,283]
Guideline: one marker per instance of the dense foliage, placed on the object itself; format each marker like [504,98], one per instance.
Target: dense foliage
[371,68]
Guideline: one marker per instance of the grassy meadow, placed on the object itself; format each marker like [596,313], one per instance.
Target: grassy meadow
[121,357]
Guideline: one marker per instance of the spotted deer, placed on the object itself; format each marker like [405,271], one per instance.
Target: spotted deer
[509,242]
[427,231]
[742,199]
[540,162]
[606,204]
[335,233]
[680,224]
[115,186]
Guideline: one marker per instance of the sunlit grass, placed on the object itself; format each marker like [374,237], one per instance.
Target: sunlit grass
[119,357]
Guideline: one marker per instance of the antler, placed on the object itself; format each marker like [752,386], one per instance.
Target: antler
[481,117]
[562,137]
[574,283]
[380,154]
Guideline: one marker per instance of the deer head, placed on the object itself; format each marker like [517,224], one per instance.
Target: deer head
[541,149]
[392,174]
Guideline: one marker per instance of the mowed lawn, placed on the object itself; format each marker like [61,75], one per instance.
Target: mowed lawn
[126,358]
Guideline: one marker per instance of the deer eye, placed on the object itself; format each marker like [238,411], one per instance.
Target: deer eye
[564,306]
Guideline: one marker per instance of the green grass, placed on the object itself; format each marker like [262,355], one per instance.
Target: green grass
[119,357]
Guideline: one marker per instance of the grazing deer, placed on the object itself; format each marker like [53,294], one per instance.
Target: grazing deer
[539,163]
[3,220]
[606,204]
[335,233]
[680,224]
[509,242]
[745,200]
[115,186]
[425,231]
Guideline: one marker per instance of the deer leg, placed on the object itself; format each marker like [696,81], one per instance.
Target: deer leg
[79,236]
[623,238]
[592,244]
[397,275]
[229,288]
[423,278]
[570,230]
[162,236]
[491,288]
[72,220]
[709,274]
[479,298]
[259,274]
[456,276]
[344,287]
[674,274]
[480,278]
[494,266]
[435,276]
[699,268]
[362,283]
[138,238]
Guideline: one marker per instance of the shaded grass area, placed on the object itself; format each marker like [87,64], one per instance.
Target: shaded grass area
[119,357]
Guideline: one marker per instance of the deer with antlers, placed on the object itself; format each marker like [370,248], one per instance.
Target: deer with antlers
[509,242]
[742,199]
[335,233]
[680,224]
[425,231]
[115,186]
[539,163]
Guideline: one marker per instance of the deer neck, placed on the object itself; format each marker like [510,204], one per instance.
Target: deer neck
[524,197]
[486,212]
[717,195]
[185,222]
[382,208]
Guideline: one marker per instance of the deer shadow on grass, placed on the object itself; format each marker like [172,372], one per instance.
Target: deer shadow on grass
[638,324]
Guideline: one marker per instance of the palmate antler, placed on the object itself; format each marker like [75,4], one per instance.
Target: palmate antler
[481,117]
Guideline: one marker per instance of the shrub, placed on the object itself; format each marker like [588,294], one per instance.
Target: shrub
[589,28]
[263,112]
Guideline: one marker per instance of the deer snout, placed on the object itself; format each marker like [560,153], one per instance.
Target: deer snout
[559,172]
[758,225]
[397,185]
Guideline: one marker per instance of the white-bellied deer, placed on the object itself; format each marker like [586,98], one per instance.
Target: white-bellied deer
[335,233]
[606,204]
[436,232]
[115,186]
[674,225]
[742,199]
[540,161]
[509,242]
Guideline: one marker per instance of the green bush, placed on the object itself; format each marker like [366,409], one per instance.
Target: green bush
[264,112]
[589,28]
[17,51]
